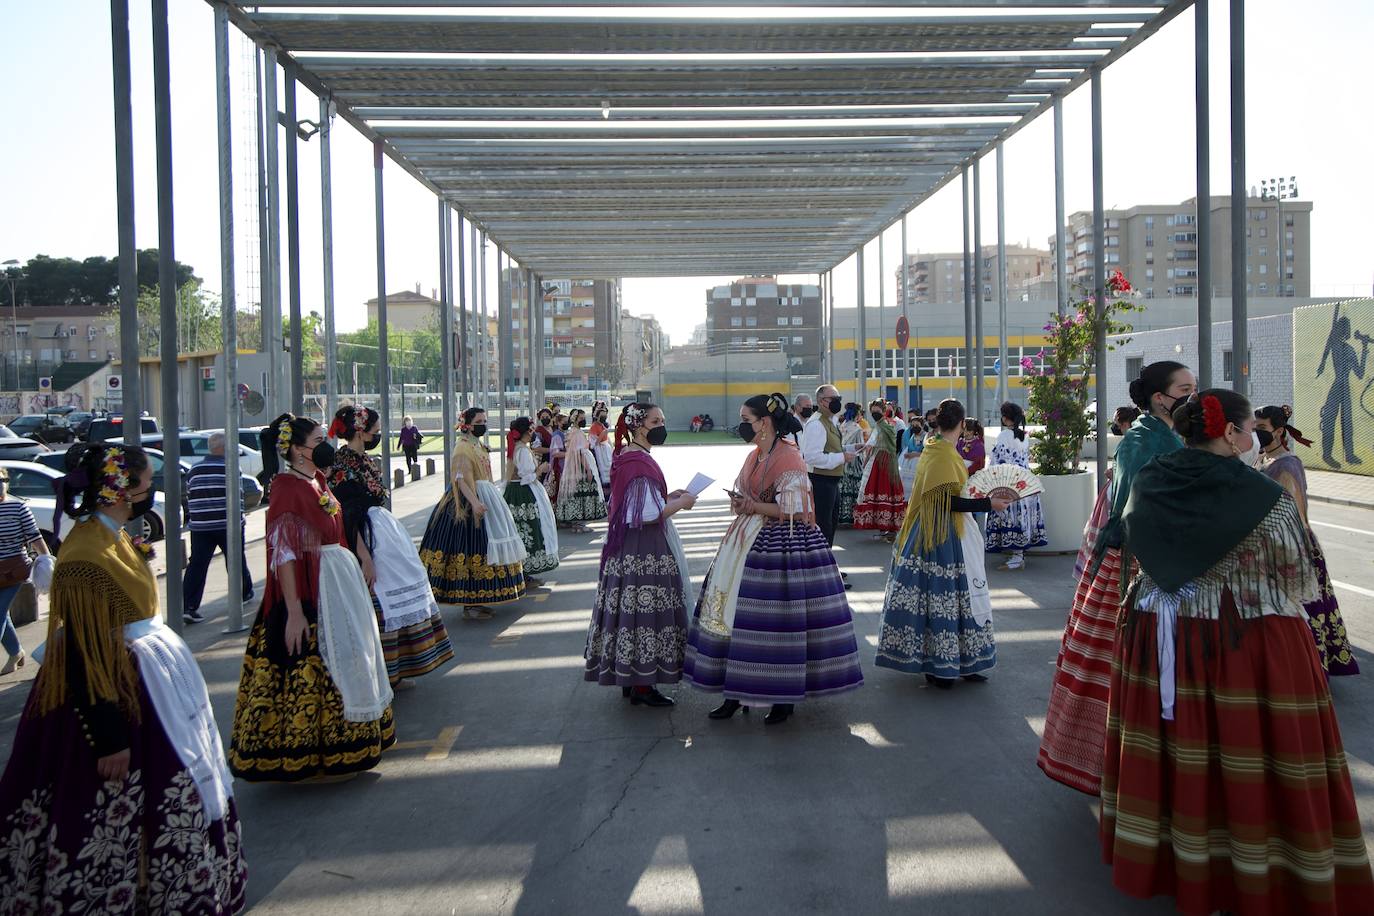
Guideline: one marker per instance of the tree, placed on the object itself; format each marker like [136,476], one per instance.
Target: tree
[94,281]
[199,327]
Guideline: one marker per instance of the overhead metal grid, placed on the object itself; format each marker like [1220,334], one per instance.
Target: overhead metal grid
[665,140]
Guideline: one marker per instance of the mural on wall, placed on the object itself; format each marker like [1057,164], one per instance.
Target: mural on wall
[1333,385]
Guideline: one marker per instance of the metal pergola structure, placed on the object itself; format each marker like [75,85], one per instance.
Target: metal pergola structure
[657,138]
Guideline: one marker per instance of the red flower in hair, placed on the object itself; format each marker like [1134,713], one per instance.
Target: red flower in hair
[1213,417]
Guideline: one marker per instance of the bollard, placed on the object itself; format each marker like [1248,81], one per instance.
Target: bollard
[24,607]
[398,479]
[429,467]
[414,472]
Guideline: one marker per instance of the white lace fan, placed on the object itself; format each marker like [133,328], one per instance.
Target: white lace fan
[1005,480]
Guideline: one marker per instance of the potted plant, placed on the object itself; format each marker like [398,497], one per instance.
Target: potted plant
[1060,379]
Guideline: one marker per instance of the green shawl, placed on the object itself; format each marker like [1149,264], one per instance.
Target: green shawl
[887,442]
[940,476]
[1194,507]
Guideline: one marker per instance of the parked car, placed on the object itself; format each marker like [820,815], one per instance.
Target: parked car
[250,448]
[17,447]
[197,445]
[35,483]
[80,422]
[251,489]
[106,428]
[42,427]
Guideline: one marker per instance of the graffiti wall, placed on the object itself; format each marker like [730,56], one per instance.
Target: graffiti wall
[1333,385]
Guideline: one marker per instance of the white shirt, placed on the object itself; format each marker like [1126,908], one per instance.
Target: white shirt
[813,447]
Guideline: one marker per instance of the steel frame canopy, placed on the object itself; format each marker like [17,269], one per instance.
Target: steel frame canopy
[670,138]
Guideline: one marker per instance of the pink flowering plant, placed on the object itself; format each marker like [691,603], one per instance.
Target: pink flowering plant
[1060,376]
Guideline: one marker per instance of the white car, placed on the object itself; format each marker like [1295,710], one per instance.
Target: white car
[250,458]
[35,484]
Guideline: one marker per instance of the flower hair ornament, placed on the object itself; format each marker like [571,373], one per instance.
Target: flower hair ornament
[634,417]
[1213,417]
[337,428]
[116,471]
[284,436]
[774,406]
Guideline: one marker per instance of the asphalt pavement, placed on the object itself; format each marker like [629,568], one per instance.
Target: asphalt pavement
[516,787]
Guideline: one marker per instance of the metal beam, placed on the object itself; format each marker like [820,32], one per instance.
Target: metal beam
[1202,115]
[1099,277]
[325,64]
[271,305]
[686,113]
[1240,312]
[131,387]
[905,351]
[167,299]
[293,242]
[516,4]
[383,343]
[233,495]
[882,319]
[331,337]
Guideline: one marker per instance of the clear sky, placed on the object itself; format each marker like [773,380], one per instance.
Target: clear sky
[1308,116]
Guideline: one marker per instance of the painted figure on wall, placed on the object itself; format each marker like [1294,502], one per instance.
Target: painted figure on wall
[1338,407]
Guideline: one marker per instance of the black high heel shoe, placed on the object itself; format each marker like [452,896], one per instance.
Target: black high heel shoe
[725,710]
[778,714]
[943,683]
[625,692]
[650,697]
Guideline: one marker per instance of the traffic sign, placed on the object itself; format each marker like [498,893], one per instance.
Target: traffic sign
[244,390]
[45,383]
[903,333]
[207,378]
[113,383]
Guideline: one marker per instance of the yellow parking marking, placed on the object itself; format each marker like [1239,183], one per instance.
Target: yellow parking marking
[438,749]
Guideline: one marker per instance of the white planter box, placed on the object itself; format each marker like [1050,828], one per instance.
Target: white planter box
[1067,503]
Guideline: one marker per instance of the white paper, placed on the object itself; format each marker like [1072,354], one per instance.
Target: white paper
[699,484]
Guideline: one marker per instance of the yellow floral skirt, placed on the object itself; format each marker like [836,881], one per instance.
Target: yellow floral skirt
[454,551]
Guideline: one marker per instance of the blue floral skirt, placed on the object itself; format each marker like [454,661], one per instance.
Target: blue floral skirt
[1018,527]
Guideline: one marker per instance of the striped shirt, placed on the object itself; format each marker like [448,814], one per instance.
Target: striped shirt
[205,494]
[17,527]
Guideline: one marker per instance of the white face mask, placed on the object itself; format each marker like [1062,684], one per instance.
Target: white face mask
[1252,455]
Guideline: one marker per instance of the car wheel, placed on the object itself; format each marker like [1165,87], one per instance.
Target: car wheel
[152,528]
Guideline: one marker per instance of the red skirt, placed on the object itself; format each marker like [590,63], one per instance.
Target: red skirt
[1076,724]
[882,504]
[1242,803]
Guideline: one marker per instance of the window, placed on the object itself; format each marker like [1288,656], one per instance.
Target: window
[1264,289]
[782,341]
[1169,221]
[1133,366]
[1264,269]
[71,331]
[782,322]
[1170,273]
[1149,240]
[1114,240]
[1149,273]
[1149,292]
[1149,222]
[1149,257]
[796,340]
[751,301]
[736,322]
[1262,215]
[1264,251]
[1288,236]
[796,320]
[1228,368]
[21,330]
[92,355]
[736,301]
[1264,232]
[751,322]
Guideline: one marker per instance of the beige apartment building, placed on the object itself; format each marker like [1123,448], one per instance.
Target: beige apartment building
[1155,247]
[939,277]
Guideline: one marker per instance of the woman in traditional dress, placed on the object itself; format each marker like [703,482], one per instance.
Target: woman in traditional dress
[1022,524]
[882,501]
[937,612]
[471,547]
[1276,437]
[579,487]
[556,457]
[971,447]
[600,434]
[530,506]
[1076,723]
[913,440]
[772,625]
[852,438]
[1225,783]
[313,697]
[639,622]
[116,798]
[414,640]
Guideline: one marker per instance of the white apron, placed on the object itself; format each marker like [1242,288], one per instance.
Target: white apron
[976,570]
[504,544]
[402,586]
[349,642]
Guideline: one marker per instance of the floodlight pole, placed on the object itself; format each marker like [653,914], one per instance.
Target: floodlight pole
[968,298]
[1240,337]
[131,388]
[1099,276]
[1202,106]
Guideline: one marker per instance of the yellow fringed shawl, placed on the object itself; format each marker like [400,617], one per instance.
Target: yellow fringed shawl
[100,583]
[470,459]
[940,476]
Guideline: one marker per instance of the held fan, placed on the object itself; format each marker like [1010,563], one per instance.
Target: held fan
[1005,480]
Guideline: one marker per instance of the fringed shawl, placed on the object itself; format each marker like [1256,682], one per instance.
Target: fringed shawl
[940,476]
[471,462]
[764,477]
[887,442]
[100,583]
[628,500]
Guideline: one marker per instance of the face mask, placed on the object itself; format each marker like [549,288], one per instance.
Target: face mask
[1265,437]
[479,430]
[544,421]
[746,431]
[876,416]
[372,442]
[657,436]
[832,405]
[581,423]
[142,505]
[1250,457]
[323,456]
[806,412]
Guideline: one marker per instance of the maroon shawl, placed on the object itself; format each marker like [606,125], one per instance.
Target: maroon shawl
[628,467]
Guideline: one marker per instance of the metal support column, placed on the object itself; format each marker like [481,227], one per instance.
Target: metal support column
[830,299]
[968,300]
[233,546]
[907,354]
[293,243]
[1002,369]
[861,337]
[131,388]
[383,357]
[331,337]
[446,333]
[264,234]
[882,319]
[1202,105]
[271,228]
[460,279]
[1099,277]
[1061,242]
[525,306]
[1240,330]
[978,278]
[167,297]
[482,363]
[505,343]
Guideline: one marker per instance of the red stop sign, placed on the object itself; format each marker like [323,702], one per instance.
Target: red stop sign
[903,332]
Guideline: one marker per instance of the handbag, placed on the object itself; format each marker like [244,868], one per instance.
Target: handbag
[14,570]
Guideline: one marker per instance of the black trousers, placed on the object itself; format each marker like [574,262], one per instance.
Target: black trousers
[826,490]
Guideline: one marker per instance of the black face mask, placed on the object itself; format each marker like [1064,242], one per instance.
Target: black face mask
[806,412]
[544,421]
[832,405]
[141,506]
[746,431]
[876,416]
[581,423]
[372,442]
[323,456]
[479,430]
[657,436]
[1265,437]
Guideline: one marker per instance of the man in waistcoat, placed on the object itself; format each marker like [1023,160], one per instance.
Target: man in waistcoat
[825,457]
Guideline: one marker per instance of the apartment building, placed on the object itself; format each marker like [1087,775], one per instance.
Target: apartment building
[582,332]
[759,310]
[939,277]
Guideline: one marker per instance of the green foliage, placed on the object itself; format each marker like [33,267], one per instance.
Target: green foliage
[1059,378]
[199,327]
[46,280]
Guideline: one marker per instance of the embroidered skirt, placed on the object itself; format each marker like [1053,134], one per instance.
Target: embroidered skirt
[414,650]
[882,504]
[849,490]
[1076,724]
[72,842]
[585,503]
[928,624]
[1324,614]
[1243,802]
[1018,527]
[793,634]
[454,552]
[289,720]
[525,509]
[639,621]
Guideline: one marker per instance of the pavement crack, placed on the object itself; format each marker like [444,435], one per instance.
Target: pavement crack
[624,791]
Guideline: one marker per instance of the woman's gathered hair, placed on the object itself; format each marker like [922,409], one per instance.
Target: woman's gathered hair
[1154,379]
[775,407]
[1204,416]
[949,415]
[85,461]
[1013,412]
